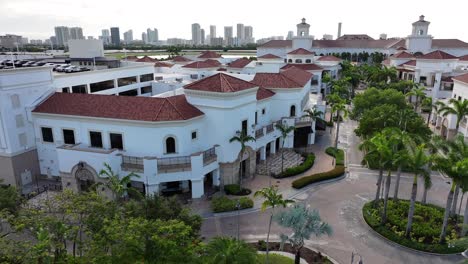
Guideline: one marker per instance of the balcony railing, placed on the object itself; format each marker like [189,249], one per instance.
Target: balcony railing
[270,128]
[305,120]
[259,133]
[174,164]
[130,163]
[209,156]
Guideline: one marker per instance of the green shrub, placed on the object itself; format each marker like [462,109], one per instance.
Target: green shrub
[338,155]
[224,204]
[274,259]
[330,123]
[427,224]
[307,164]
[235,189]
[304,181]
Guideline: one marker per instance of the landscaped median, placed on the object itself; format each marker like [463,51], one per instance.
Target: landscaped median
[338,154]
[224,204]
[426,228]
[307,164]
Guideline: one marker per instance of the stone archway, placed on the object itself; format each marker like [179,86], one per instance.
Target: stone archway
[84,175]
[249,159]
[229,171]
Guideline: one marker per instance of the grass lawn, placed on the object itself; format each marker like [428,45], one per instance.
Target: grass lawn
[274,259]
[338,155]
[427,225]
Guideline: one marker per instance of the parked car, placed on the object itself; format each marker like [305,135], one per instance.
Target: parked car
[72,69]
[29,64]
[38,64]
[84,69]
[62,68]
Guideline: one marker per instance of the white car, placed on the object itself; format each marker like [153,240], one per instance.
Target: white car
[72,69]
[62,67]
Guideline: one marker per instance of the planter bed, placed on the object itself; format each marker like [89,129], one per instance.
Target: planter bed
[307,254]
[322,176]
[293,171]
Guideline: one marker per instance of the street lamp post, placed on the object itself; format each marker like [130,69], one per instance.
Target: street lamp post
[238,218]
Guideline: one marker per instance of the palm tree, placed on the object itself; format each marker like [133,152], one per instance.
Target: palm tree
[417,92]
[273,199]
[433,146]
[457,108]
[339,108]
[229,251]
[242,138]
[303,223]
[462,167]
[417,162]
[314,114]
[284,130]
[118,186]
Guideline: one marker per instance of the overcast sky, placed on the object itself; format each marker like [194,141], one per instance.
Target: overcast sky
[37,18]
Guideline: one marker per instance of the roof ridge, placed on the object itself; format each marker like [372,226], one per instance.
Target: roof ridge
[175,107]
[229,84]
[160,109]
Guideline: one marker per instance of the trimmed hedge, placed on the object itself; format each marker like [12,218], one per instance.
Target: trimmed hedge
[304,181]
[235,189]
[338,155]
[224,204]
[307,164]
[427,224]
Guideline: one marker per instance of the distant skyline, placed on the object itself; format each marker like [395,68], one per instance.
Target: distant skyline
[36,19]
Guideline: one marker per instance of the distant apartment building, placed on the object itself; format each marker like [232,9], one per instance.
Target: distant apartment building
[62,35]
[216,41]
[128,36]
[327,37]
[115,36]
[290,35]
[240,34]
[213,31]
[152,35]
[202,36]
[176,41]
[106,39]
[196,34]
[248,34]
[76,33]
[144,37]
[228,36]
[36,41]
[10,41]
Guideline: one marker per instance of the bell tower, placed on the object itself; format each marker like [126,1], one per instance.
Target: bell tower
[303,29]
[302,38]
[419,40]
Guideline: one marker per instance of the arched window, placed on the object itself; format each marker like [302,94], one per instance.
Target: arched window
[308,61]
[292,111]
[290,60]
[285,60]
[298,61]
[170,145]
[421,32]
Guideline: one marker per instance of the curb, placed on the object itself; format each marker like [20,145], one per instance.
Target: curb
[404,247]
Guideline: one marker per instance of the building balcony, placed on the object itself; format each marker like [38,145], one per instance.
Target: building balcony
[130,163]
[302,121]
[209,156]
[175,164]
[259,133]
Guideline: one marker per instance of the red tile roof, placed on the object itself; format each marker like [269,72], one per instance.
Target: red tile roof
[220,83]
[163,64]
[300,51]
[263,93]
[200,65]
[447,79]
[401,48]
[222,69]
[305,67]
[269,56]
[386,62]
[463,58]
[180,59]
[131,58]
[448,43]
[358,43]
[409,63]
[151,109]
[462,78]
[328,58]
[213,62]
[146,59]
[239,63]
[290,78]
[437,55]
[277,44]
[402,55]
[355,37]
[209,55]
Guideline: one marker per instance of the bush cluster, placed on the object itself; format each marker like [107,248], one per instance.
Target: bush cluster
[224,204]
[293,171]
[427,224]
[304,181]
[337,154]
[235,189]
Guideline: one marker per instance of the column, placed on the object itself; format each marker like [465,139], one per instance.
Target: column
[88,88]
[262,153]
[417,75]
[311,136]
[436,85]
[197,189]
[272,147]
[152,189]
[216,177]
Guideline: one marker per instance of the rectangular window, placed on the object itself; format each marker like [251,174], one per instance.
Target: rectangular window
[68,136]
[133,92]
[96,139]
[101,86]
[65,90]
[47,135]
[23,142]
[147,77]
[126,81]
[79,89]
[256,117]
[147,89]
[194,134]
[116,141]
[263,111]
[244,127]
[19,121]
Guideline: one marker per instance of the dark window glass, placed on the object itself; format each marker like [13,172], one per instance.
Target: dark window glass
[194,135]
[126,81]
[292,112]
[116,141]
[68,136]
[96,139]
[244,127]
[170,145]
[256,117]
[47,135]
[146,89]
[79,89]
[100,86]
[146,77]
[263,111]
[65,90]
[133,92]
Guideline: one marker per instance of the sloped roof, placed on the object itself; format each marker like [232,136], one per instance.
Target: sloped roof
[463,58]
[462,78]
[131,58]
[402,55]
[328,58]
[146,59]
[201,65]
[401,48]
[160,64]
[269,56]
[275,43]
[181,59]
[213,62]
[357,43]
[220,83]
[209,55]
[437,55]
[263,93]
[290,78]
[448,43]
[151,109]
[300,51]
[409,63]
[305,67]
[239,63]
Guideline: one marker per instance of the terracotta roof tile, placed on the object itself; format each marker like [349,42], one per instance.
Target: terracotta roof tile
[160,64]
[300,51]
[290,78]
[131,58]
[409,63]
[461,78]
[357,43]
[146,59]
[328,58]
[448,43]
[220,83]
[209,55]
[201,65]
[239,63]
[305,67]
[402,55]
[463,58]
[277,44]
[269,56]
[180,59]
[263,93]
[151,109]
[401,48]
[437,55]
[213,62]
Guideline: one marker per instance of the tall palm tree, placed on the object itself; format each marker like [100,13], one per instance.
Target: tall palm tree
[243,139]
[341,113]
[417,162]
[118,186]
[419,93]
[284,130]
[273,199]
[457,108]
[462,167]
[314,114]
[435,144]
[229,251]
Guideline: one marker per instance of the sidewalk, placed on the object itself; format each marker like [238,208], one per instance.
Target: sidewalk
[323,162]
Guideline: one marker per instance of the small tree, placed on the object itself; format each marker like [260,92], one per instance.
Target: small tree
[273,199]
[457,108]
[118,186]
[304,223]
[229,251]
[314,114]
[242,138]
[284,130]
[419,93]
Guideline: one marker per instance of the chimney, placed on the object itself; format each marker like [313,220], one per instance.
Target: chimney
[339,30]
